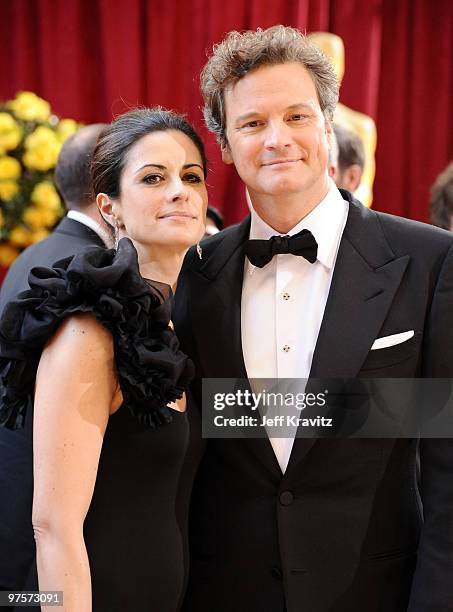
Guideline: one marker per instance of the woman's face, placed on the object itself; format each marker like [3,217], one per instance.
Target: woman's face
[163,195]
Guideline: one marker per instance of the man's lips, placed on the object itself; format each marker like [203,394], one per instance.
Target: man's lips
[276,162]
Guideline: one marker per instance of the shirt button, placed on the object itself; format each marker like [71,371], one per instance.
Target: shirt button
[276,573]
[286,296]
[286,348]
[286,498]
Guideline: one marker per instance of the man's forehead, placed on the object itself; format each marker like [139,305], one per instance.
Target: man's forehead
[256,108]
[287,85]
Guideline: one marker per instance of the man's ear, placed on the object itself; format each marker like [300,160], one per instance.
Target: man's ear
[329,134]
[226,153]
[353,176]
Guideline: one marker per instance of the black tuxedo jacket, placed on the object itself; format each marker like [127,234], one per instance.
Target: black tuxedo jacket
[346,528]
[66,239]
[17,546]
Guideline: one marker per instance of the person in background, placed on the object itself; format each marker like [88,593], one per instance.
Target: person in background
[82,224]
[351,159]
[214,221]
[362,125]
[441,202]
[81,227]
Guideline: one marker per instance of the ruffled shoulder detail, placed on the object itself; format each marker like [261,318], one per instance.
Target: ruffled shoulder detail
[152,371]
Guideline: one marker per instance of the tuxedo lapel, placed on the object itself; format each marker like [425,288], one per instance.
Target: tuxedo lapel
[216,306]
[366,277]
[217,302]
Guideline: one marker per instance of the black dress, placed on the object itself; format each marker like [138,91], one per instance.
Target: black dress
[136,527]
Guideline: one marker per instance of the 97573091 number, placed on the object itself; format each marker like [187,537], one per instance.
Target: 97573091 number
[27,599]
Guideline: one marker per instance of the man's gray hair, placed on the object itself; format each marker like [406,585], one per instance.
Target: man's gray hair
[241,52]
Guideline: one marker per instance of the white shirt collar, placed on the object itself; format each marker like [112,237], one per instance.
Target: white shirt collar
[81,217]
[326,222]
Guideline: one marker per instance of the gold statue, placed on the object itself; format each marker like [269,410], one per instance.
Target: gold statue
[364,126]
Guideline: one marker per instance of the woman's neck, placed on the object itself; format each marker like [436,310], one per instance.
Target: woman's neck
[160,263]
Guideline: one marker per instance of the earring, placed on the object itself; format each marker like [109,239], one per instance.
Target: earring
[199,251]
[116,230]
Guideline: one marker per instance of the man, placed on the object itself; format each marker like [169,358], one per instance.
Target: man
[441,200]
[303,524]
[81,227]
[351,159]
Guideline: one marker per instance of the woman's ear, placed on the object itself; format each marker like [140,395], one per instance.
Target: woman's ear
[108,209]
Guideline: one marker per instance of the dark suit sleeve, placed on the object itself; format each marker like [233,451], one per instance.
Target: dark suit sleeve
[183,325]
[432,589]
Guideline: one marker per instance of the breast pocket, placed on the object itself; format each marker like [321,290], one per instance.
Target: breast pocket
[393,355]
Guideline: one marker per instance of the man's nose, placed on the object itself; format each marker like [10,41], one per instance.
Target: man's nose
[278,135]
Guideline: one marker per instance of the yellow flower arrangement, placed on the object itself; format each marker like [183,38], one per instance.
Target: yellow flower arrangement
[20,236]
[45,196]
[9,168]
[10,133]
[29,107]
[66,128]
[8,189]
[42,149]
[8,254]
[31,138]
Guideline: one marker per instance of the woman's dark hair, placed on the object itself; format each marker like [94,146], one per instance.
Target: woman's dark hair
[122,134]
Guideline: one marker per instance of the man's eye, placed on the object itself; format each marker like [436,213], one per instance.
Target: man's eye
[192,178]
[153,179]
[298,117]
[252,124]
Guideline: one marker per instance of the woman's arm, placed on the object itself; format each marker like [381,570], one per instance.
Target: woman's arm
[75,389]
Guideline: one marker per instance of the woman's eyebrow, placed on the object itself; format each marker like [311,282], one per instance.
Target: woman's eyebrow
[159,166]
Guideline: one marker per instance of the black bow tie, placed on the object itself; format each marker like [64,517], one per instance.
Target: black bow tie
[260,252]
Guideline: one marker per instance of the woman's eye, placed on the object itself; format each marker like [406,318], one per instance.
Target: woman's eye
[153,179]
[192,178]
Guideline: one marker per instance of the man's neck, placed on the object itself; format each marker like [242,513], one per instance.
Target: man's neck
[91,211]
[91,217]
[284,212]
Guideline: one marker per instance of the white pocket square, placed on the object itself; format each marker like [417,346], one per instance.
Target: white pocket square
[387,341]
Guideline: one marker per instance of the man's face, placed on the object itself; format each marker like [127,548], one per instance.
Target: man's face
[277,136]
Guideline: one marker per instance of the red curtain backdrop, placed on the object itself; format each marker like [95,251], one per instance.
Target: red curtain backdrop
[93,59]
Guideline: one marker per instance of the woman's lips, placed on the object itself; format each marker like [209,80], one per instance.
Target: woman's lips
[177,215]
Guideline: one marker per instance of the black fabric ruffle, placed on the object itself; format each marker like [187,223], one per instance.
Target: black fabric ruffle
[152,371]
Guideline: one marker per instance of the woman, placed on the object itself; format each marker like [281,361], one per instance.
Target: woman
[113,465]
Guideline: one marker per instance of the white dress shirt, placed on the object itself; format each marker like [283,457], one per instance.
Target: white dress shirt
[81,217]
[283,303]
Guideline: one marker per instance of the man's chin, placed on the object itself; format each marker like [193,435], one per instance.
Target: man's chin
[282,187]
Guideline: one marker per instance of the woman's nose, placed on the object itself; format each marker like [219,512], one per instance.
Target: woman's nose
[177,190]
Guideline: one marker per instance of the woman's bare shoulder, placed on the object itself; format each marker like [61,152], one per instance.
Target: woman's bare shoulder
[85,330]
